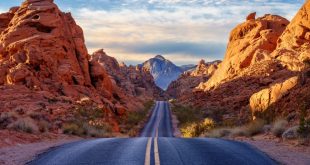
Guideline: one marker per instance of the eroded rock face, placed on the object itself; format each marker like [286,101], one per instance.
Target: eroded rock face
[249,43]
[189,80]
[261,100]
[134,81]
[294,44]
[45,67]
[47,45]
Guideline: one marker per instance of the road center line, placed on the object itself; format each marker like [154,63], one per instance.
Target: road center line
[156,153]
[147,160]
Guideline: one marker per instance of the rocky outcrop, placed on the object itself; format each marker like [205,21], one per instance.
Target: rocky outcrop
[135,82]
[189,80]
[249,43]
[294,44]
[254,78]
[45,67]
[260,101]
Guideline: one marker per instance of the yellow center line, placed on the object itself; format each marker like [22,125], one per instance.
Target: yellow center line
[147,160]
[156,153]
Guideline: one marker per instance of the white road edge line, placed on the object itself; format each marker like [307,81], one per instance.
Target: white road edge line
[156,153]
[147,160]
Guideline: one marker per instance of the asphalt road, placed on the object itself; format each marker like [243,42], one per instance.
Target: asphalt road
[155,146]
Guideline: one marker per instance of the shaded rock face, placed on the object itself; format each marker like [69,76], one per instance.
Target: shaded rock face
[163,71]
[250,42]
[189,80]
[134,81]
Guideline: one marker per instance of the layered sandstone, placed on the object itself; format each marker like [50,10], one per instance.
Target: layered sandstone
[45,68]
[294,44]
[249,43]
[265,72]
[189,80]
[132,80]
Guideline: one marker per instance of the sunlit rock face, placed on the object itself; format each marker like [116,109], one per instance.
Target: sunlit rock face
[265,72]
[294,44]
[189,80]
[45,66]
[249,43]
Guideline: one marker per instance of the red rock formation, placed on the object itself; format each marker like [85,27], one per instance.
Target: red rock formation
[134,81]
[188,81]
[294,44]
[249,42]
[45,67]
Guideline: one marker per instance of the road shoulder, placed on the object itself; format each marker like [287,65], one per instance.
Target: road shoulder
[18,148]
[284,152]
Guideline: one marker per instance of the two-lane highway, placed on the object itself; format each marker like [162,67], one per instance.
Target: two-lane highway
[159,124]
[156,146]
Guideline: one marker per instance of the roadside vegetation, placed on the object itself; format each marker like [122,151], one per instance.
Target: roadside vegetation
[191,122]
[89,122]
[132,123]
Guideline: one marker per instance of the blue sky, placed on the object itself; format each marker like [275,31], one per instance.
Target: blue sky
[184,31]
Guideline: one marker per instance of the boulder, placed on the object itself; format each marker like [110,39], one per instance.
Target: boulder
[261,100]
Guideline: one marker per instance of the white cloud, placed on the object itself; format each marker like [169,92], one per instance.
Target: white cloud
[171,22]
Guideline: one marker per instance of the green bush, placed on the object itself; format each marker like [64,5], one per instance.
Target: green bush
[187,115]
[304,123]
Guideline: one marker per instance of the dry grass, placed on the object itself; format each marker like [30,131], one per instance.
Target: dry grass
[88,121]
[250,129]
[278,127]
[27,125]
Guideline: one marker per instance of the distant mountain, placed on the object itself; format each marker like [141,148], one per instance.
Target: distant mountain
[163,70]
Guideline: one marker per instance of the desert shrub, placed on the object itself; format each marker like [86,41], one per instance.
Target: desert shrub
[7,118]
[72,128]
[197,129]
[85,129]
[278,127]
[304,122]
[249,129]
[87,121]
[25,125]
[218,133]
[43,126]
[269,115]
[187,115]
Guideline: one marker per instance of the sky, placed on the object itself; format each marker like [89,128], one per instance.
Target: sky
[183,31]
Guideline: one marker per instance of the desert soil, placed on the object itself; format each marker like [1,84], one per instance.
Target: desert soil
[284,152]
[19,148]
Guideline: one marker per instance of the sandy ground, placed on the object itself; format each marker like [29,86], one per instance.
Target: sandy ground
[284,152]
[21,154]
[17,148]
[175,122]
